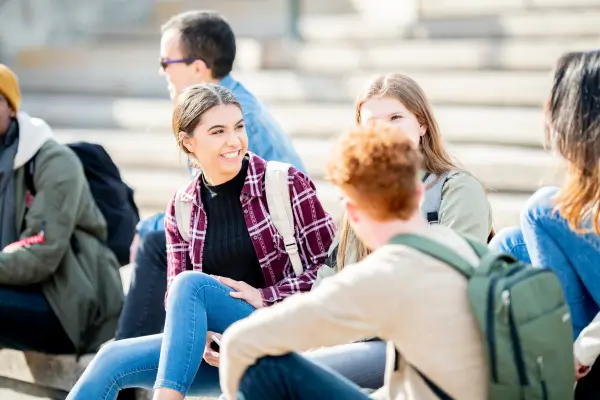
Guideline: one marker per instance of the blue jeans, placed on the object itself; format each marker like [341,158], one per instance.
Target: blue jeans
[545,240]
[197,303]
[362,363]
[294,377]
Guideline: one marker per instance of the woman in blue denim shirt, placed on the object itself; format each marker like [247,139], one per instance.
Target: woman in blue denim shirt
[559,227]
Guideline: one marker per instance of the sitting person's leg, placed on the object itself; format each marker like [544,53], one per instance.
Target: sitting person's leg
[133,363]
[572,256]
[511,241]
[294,377]
[362,363]
[27,322]
[197,303]
[144,311]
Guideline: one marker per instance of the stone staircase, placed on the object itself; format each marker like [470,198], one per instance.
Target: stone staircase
[485,66]
[486,70]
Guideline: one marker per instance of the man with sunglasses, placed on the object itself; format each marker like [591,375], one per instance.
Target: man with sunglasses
[196,47]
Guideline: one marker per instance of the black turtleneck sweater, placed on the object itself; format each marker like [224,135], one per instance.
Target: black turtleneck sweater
[228,249]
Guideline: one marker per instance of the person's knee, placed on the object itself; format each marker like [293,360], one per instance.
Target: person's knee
[506,239]
[190,282]
[108,358]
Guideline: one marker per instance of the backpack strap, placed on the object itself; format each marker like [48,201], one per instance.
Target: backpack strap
[479,248]
[435,250]
[183,214]
[432,200]
[29,172]
[441,395]
[280,209]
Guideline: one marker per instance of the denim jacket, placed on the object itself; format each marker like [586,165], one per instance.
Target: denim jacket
[266,139]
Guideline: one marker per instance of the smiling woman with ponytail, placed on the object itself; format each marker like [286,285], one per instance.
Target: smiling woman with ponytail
[226,257]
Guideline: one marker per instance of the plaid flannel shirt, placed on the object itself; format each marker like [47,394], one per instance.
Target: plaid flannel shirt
[314,232]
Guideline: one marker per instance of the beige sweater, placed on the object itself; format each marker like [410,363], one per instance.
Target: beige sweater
[415,302]
[465,209]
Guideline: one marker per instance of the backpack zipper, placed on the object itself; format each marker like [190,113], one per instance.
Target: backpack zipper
[490,324]
[490,329]
[540,363]
[515,339]
[517,349]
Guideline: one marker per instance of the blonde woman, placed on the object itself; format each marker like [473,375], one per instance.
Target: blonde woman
[453,198]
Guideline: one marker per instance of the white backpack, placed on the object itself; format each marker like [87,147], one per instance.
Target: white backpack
[280,209]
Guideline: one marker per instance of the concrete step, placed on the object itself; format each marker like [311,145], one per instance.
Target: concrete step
[126,49]
[164,9]
[325,19]
[445,8]
[484,125]
[536,23]
[506,88]
[339,56]
[152,165]
[258,18]
[421,55]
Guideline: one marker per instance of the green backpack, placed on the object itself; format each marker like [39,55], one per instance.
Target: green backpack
[523,318]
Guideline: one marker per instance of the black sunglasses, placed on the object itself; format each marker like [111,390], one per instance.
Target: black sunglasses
[165,62]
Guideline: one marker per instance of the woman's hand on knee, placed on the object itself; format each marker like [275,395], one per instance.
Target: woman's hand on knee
[211,356]
[244,291]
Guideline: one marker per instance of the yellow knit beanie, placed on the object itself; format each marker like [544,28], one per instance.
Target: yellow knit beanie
[9,87]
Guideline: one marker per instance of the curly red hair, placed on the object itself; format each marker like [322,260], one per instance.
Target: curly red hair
[377,166]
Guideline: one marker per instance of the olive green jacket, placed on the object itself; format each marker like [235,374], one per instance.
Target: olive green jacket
[77,273]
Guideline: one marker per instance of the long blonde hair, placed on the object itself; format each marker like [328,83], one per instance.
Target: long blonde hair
[436,158]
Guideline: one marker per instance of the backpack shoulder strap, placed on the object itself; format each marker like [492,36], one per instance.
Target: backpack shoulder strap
[280,209]
[435,250]
[183,214]
[479,248]
[432,200]
[29,174]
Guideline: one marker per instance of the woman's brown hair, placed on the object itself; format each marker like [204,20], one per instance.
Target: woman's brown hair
[436,158]
[573,131]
